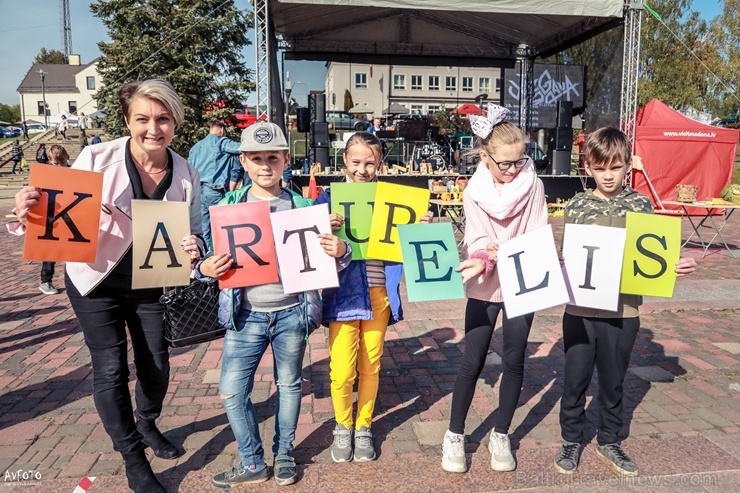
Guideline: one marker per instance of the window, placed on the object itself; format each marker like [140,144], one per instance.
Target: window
[360,80]
[72,107]
[498,85]
[433,109]
[90,83]
[467,84]
[41,107]
[484,84]
[433,82]
[417,109]
[399,81]
[450,83]
[416,83]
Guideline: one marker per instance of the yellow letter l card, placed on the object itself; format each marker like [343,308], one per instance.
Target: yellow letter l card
[652,248]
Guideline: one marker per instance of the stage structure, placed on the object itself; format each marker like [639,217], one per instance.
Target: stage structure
[439,32]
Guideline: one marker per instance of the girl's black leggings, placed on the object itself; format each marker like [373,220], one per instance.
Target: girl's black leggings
[480,319]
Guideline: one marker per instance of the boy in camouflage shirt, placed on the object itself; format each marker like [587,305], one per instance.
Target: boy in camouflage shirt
[602,338]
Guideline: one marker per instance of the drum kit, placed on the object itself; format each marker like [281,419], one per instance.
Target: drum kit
[430,155]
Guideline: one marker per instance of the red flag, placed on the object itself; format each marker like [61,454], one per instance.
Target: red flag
[313,191]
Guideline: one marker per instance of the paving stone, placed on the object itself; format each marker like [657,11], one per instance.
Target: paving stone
[652,373]
[730,347]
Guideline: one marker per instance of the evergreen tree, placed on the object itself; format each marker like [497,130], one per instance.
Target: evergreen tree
[196,45]
[724,37]
[49,56]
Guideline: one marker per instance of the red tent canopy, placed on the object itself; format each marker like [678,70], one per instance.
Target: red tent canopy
[678,150]
[467,109]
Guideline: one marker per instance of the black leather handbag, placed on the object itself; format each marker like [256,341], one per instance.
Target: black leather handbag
[191,314]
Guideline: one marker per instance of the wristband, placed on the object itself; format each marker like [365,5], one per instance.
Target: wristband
[482,255]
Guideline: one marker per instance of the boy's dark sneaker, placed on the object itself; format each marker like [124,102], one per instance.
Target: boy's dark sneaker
[239,475]
[284,470]
[566,461]
[612,454]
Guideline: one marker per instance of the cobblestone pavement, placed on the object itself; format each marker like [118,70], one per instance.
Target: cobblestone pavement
[682,391]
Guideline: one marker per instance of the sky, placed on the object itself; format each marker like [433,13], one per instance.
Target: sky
[36,24]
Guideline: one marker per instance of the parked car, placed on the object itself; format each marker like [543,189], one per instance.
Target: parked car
[36,128]
[8,133]
[245,117]
[342,120]
[538,155]
[724,122]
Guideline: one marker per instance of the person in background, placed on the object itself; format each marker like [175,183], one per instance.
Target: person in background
[63,127]
[82,122]
[41,156]
[377,125]
[57,156]
[24,127]
[96,140]
[216,159]
[139,166]
[600,338]
[16,154]
[503,199]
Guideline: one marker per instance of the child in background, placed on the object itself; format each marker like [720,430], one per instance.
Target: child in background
[16,154]
[57,156]
[358,313]
[597,337]
[260,315]
[503,199]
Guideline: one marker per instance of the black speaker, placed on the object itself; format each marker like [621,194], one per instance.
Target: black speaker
[563,138]
[565,114]
[319,134]
[303,117]
[560,162]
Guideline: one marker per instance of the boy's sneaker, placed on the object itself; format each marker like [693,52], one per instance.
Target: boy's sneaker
[341,449]
[364,449]
[47,288]
[612,454]
[240,475]
[500,448]
[284,470]
[566,461]
[453,453]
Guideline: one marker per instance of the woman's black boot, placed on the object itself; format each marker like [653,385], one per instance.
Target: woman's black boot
[141,478]
[153,438]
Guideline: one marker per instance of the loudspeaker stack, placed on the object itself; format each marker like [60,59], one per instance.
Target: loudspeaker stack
[561,142]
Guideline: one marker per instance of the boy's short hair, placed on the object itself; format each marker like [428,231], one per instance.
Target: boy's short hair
[607,145]
[57,154]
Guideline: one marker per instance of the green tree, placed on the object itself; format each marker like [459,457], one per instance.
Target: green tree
[196,45]
[49,56]
[10,114]
[724,37]
[348,104]
[669,70]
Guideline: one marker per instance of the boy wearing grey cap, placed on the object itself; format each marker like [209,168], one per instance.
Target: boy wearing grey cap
[258,316]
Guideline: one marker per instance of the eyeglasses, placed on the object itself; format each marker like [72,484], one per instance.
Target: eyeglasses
[505,165]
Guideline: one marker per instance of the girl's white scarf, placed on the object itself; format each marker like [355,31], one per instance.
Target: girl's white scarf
[506,200]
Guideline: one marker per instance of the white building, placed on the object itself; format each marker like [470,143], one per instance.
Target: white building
[69,87]
[422,90]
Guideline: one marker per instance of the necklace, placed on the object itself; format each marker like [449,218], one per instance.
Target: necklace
[150,172]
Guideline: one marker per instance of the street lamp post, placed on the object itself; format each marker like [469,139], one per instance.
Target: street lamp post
[43,96]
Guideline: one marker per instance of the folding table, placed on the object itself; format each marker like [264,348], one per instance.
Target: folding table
[454,210]
[707,220]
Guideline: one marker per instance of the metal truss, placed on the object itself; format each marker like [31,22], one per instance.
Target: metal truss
[630,71]
[395,48]
[262,48]
[66,29]
[526,86]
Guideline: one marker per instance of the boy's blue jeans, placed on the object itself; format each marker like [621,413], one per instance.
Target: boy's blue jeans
[243,349]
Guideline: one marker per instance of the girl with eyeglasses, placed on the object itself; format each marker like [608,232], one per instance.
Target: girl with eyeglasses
[504,199]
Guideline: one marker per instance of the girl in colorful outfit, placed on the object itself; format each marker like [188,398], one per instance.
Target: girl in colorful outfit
[358,313]
[504,199]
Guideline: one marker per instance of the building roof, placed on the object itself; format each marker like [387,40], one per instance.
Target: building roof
[58,78]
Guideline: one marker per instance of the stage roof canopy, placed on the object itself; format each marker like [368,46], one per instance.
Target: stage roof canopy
[438,32]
